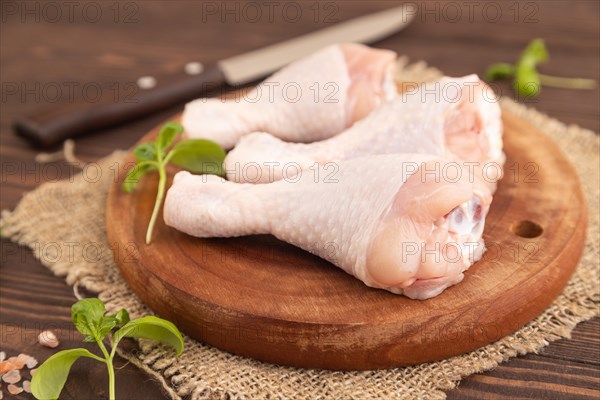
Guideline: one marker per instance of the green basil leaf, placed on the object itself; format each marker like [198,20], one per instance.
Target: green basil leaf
[135,174]
[107,324]
[499,71]
[199,156]
[50,377]
[527,82]
[87,315]
[145,152]
[122,317]
[151,328]
[167,135]
[535,53]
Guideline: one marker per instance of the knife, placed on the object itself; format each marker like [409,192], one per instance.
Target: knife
[53,125]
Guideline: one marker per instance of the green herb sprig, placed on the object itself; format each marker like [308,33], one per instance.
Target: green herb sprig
[195,155]
[527,80]
[88,316]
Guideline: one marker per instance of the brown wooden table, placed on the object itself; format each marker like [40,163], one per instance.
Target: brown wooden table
[73,46]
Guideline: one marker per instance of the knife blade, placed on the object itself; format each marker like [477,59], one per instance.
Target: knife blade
[53,125]
[368,29]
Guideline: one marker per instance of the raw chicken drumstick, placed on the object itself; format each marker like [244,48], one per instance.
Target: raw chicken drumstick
[455,118]
[311,99]
[408,223]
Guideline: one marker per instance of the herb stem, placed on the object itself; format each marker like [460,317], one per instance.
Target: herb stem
[162,182]
[109,366]
[168,157]
[111,379]
[567,83]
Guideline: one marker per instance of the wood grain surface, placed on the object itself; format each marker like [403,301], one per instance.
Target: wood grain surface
[258,297]
[159,38]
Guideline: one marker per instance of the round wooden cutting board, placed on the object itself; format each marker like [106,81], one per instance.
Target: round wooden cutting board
[262,298]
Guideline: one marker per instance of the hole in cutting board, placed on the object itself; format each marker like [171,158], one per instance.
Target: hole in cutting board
[527,229]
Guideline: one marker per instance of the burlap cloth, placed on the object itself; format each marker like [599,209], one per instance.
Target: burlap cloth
[73,212]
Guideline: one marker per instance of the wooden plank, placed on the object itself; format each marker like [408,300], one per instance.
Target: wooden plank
[532,376]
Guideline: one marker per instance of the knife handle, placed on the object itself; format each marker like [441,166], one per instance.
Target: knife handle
[53,125]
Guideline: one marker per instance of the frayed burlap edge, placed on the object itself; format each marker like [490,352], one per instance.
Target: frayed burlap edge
[59,217]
